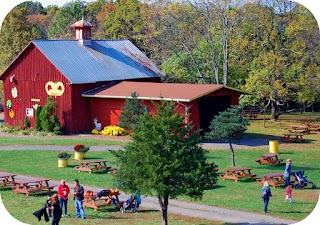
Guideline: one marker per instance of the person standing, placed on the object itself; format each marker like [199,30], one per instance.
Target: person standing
[266,194]
[287,172]
[56,210]
[78,198]
[63,191]
[288,193]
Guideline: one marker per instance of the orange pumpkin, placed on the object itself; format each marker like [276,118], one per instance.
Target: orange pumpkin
[111,192]
[89,193]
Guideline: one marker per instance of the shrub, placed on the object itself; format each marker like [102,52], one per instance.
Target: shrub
[64,155]
[113,131]
[26,122]
[81,148]
[94,131]
[38,121]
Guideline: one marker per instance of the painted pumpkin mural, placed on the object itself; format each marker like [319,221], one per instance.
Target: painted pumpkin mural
[54,88]
[15,106]
[14,92]
[9,104]
[11,114]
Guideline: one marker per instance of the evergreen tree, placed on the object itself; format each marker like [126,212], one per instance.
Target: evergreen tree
[164,159]
[48,117]
[229,125]
[133,107]
[38,120]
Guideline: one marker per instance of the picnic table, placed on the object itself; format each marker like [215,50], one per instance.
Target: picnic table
[292,137]
[95,202]
[237,173]
[274,179]
[90,166]
[299,129]
[251,113]
[270,159]
[34,185]
[313,127]
[7,178]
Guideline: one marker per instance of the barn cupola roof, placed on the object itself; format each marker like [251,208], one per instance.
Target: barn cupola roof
[82,31]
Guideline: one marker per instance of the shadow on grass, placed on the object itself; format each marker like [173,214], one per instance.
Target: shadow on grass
[107,217]
[215,186]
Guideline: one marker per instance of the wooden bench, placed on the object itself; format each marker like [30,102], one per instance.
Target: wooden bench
[237,173]
[90,166]
[35,189]
[270,159]
[274,180]
[292,138]
[250,113]
[7,178]
[299,129]
[96,203]
[313,127]
[30,186]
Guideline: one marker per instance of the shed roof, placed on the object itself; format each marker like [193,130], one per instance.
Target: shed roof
[103,60]
[155,91]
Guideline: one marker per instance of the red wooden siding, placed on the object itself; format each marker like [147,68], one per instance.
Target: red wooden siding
[108,110]
[31,73]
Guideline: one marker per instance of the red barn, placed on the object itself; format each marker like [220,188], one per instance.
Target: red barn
[92,78]
[65,69]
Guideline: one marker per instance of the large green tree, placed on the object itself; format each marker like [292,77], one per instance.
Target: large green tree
[230,126]
[122,19]
[68,14]
[164,159]
[16,33]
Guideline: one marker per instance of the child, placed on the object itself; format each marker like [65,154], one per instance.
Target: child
[288,193]
[48,205]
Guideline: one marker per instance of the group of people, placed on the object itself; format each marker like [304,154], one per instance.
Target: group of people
[57,202]
[266,192]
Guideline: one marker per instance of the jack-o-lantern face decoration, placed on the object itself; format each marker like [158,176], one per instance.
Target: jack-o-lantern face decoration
[54,88]
[11,114]
[14,92]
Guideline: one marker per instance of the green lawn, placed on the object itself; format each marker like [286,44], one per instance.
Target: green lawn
[32,140]
[247,195]
[305,157]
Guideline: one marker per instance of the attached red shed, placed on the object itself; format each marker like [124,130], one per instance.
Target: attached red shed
[199,102]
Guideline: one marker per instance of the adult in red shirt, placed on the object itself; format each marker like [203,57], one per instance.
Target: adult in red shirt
[63,191]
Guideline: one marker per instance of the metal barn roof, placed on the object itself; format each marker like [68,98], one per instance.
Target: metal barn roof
[103,60]
[155,91]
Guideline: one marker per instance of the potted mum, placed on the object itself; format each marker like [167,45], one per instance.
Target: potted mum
[63,159]
[80,151]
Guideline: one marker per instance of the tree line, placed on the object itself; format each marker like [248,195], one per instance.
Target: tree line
[268,47]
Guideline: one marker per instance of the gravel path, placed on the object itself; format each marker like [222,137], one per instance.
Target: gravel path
[194,209]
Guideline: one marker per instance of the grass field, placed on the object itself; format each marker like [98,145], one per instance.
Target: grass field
[305,156]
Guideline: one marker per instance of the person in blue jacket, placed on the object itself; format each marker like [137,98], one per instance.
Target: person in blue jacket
[137,196]
[287,171]
[266,194]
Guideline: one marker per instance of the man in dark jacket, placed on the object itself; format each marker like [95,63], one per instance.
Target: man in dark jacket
[78,198]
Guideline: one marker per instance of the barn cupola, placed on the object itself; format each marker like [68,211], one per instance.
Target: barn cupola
[82,31]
